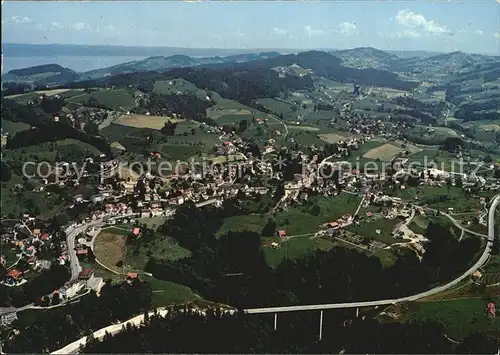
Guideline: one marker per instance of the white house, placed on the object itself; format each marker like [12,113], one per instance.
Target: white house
[97,198]
[72,289]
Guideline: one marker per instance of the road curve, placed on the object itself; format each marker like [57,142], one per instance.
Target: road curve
[112,329]
[484,257]
[71,235]
[284,125]
[118,327]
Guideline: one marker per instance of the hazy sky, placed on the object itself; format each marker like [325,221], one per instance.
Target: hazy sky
[472,26]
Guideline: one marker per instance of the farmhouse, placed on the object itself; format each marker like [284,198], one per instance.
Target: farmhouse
[86,274]
[334,225]
[137,232]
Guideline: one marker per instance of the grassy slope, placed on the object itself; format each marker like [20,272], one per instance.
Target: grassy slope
[112,98]
[296,220]
[13,127]
[459,317]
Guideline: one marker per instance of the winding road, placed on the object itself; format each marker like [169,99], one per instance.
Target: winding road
[71,235]
[284,125]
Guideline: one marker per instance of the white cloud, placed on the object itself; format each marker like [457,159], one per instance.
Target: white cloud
[413,20]
[80,26]
[280,31]
[313,31]
[21,19]
[56,25]
[347,28]
[406,33]
[479,32]
[112,29]
[83,27]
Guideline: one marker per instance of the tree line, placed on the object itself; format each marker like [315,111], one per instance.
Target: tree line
[190,107]
[43,128]
[54,131]
[31,292]
[185,331]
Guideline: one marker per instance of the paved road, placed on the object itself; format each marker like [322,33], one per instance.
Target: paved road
[13,309]
[284,125]
[491,219]
[482,260]
[70,241]
[74,347]
[459,225]
[453,220]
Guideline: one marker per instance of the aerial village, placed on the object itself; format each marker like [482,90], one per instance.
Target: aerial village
[125,196]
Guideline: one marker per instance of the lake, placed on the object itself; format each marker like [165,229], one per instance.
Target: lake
[78,64]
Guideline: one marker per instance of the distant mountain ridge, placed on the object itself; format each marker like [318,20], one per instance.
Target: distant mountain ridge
[365,57]
[365,65]
[450,62]
[160,63]
[47,68]
[52,50]
[41,75]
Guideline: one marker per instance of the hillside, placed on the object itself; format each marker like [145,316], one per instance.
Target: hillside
[48,50]
[449,63]
[365,57]
[326,65]
[41,75]
[149,64]
[161,63]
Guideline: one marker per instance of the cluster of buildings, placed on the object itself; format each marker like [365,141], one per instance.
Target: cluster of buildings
[24,241]
[86,281]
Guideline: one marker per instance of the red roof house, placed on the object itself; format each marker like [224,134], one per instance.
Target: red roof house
[15,274]
[491,309]
[369,214]
[136,231]
[281,233]
[44,236]
[86,273]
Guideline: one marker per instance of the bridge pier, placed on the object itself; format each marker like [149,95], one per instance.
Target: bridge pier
[357,312]
[321,325]
[275,321]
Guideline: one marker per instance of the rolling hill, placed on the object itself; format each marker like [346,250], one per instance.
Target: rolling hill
[449,63]
[161,63]
[42,75]
[365,57]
